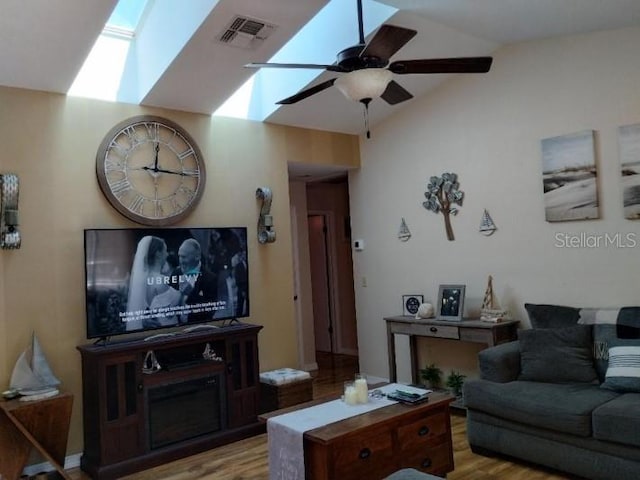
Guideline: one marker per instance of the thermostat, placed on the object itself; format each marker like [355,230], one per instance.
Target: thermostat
[358,245]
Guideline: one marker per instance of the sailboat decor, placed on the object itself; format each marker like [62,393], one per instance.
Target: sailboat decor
[404,234]
[489,311]
[487,227]
[32,377]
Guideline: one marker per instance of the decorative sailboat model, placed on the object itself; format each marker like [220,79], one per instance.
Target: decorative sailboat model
[489,311]
[32,377]
[487,227]
[403,233]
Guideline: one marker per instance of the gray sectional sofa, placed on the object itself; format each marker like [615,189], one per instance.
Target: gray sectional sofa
[565,395]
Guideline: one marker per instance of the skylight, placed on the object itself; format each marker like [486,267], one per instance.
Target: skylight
[126,15]
[102,70]
[134,51]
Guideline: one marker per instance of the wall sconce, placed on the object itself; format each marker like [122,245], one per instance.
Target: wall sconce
[266,234]
[9,234]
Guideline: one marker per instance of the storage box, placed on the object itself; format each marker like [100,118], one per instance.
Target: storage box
[284,388]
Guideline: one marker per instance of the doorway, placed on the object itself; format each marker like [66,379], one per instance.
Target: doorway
[321,283]
[325,307]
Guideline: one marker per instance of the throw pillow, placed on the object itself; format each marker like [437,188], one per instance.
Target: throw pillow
[628,325]
[623,372]
[557,355]
[551,316]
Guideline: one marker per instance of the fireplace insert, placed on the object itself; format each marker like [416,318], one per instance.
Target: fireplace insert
[186,409]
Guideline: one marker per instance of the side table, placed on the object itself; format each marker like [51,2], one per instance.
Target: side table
[40,424]
[467,330]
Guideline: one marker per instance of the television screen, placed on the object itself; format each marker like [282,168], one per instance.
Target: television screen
[141,279]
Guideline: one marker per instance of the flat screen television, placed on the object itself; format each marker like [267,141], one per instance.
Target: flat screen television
[140,279]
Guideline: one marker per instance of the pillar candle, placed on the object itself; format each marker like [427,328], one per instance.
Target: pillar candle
[351,395]
[362,390]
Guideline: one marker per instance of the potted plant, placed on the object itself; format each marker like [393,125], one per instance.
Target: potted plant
[432,375]
[455,381]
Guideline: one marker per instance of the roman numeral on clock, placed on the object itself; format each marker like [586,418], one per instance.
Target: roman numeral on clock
[120,187]
[137,204]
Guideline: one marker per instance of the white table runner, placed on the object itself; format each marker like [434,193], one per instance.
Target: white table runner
[285,432]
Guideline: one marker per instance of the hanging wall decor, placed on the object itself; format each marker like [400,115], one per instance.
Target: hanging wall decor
[266,233]
[629,142]
[569,177]
[403,233]
[442,192]
[9,190]
[487,227]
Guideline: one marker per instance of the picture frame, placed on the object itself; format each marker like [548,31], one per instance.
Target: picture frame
[410,304]
[450,306]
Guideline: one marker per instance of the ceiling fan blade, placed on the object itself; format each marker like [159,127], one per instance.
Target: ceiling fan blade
[314,66]
[387,41]
[395,93]
[443,65]
[307,93]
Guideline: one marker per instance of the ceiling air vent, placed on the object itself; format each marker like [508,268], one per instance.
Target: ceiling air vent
[245,32]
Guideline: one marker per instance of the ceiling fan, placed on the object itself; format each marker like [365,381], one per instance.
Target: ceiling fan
[368,73]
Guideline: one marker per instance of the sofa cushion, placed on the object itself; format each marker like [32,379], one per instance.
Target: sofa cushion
[500,363]
[603,336]
[557,355]
[609,324]
[551,316]
[618,420]
[623,372]
[560,407]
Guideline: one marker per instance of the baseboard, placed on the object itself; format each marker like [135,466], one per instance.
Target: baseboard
[72,461]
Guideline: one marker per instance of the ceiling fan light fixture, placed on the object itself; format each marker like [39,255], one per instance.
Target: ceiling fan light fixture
[366,83]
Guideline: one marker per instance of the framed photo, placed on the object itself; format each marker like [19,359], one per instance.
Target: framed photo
[411,303]
[450,302]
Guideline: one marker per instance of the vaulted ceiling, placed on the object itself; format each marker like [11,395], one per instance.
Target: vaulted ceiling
[180,63]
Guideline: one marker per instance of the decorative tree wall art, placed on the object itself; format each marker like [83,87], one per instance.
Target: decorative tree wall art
[442,193]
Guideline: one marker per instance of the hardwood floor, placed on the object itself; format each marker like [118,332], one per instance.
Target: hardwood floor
[247,459]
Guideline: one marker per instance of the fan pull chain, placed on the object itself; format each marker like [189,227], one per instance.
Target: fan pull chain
[365,102]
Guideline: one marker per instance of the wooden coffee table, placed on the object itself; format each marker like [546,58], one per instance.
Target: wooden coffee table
[377,443]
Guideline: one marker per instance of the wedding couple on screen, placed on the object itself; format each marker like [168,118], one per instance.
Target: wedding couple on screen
[189,284]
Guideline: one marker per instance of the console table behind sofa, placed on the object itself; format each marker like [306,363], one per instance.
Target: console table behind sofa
[467,330]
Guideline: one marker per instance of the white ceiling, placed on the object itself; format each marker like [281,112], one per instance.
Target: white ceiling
[43,44]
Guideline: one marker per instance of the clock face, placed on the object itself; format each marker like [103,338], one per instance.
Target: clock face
[150,170]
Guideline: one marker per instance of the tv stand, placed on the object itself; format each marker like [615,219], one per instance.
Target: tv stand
[127,414]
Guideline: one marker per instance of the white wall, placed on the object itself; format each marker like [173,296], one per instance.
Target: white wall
[487,129]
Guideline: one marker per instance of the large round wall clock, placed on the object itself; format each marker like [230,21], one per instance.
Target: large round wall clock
[150,170]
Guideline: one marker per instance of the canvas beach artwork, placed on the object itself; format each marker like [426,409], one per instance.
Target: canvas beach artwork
[569,177]
[629,142]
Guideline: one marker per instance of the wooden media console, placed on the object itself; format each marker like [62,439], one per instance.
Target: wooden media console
[148,402]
